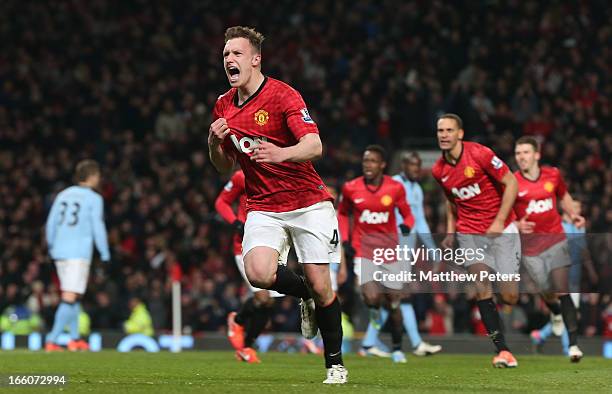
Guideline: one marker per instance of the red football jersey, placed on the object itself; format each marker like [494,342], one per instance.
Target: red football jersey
[538,199]
[275,113]
[233,190]
[474,185]
[373,212]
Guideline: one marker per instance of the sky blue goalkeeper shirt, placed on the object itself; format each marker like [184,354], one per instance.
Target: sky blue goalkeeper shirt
[414,194]
[75,222]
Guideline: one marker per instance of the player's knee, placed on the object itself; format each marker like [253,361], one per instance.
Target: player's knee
[68,296]
[258,275]
[371,299]
[322,292]
[510,298]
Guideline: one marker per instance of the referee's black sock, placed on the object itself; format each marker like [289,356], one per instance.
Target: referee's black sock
[554,307]
[245,312]
[259,320]
[329,320]
[570,318]
[290,283]
[491,320]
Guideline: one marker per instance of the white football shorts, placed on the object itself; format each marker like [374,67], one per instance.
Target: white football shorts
[313,231]
[73,274]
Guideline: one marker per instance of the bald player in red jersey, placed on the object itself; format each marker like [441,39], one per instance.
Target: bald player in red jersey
[371,199]
[263,124]
[481,190]
[545,248]
[244,327]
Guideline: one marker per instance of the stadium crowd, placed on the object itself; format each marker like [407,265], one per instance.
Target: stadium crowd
[131,84]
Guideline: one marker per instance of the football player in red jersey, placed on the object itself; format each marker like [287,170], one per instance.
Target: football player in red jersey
[545,249]
[263,124]
[244,327]
[481,191]
[371,199]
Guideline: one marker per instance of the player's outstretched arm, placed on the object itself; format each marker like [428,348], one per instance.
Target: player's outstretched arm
[223,205]
[308,148]
[231,193]
[510,190]
[567,205]
[217,132]
[405,211]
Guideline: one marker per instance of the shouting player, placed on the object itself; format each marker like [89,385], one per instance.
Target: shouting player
[75,223]
[481,191]
[257,310]
[545,249]
[371,199]
[264,125]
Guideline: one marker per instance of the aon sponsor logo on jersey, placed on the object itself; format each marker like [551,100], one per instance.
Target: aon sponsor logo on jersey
[465,193]
[374,217]
[540,206]
[246,144]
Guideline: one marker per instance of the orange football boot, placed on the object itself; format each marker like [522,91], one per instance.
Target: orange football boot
[504,359]
[248,355]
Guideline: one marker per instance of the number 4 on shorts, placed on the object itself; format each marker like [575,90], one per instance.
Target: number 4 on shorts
[334,240]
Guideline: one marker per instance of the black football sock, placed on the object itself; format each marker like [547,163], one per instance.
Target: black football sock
[245,312]
[570,318]
[554,307]
[259,320]
[397,328]
[330,324]
[290,283]
[491,320]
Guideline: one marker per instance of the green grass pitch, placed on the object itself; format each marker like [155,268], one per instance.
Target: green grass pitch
[218,372]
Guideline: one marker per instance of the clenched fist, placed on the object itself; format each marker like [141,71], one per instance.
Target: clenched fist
[217,132]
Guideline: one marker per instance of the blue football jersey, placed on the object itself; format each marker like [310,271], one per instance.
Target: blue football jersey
[75,223]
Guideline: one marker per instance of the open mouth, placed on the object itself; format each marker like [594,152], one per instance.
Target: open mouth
[233,73]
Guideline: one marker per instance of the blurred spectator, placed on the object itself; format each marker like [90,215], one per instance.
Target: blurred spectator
[439,320]
[139,321]
[19,320]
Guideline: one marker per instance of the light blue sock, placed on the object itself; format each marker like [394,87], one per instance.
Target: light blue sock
[371,335]
[74,321]
[62,318]
[565,342]
[410,324]
[546,331]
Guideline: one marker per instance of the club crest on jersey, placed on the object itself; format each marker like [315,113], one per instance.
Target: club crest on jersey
[246,144]
[469,172]
[539,206]
[306,116]
[465,193]
[386,200]
[373,217]
[549,186]
[261,117]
